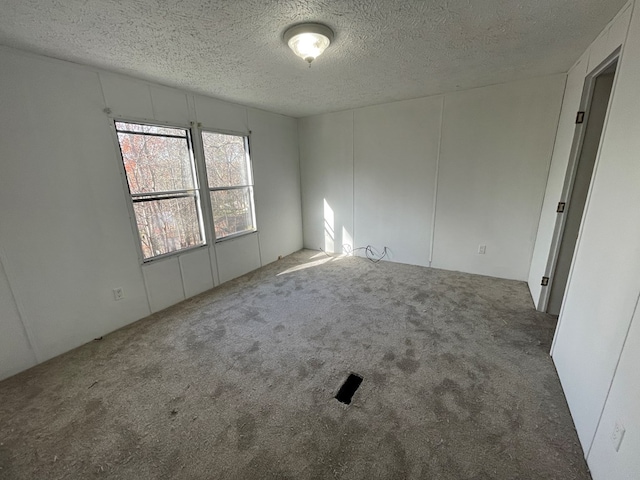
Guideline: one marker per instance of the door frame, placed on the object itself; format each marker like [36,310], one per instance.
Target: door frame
[570,176]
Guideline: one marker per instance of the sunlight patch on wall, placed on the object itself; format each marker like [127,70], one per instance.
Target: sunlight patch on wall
[347,242]
[329,228]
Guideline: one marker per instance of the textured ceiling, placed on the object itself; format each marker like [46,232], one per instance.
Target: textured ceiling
[384,50]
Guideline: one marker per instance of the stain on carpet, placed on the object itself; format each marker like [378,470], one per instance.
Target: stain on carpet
[239,381]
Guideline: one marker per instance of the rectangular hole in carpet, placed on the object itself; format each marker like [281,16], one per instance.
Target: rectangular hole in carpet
[348,388]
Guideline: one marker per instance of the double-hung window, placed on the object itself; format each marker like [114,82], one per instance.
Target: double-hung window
[163,184]
[163,178]
[230,183]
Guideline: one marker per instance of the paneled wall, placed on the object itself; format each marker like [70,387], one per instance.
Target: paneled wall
[597,345]
[434,178]
[395,151]
[609,40]
[66,236]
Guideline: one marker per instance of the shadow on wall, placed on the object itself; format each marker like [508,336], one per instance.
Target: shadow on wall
[342,239]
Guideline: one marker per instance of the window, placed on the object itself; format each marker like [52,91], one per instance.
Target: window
[160,170]
[168,204]
[230,183]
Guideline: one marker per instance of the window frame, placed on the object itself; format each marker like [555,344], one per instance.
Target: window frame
[197,185]
[205,176]
[205,212]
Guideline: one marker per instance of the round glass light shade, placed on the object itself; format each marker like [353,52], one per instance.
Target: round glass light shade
[308,41]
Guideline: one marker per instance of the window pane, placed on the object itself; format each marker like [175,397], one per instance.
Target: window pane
[167,225]
[232,211]
[156,164]
[226,160]
[137,127]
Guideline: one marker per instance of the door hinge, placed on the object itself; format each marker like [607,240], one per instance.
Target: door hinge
[561,206]
[545,281]
[580,117]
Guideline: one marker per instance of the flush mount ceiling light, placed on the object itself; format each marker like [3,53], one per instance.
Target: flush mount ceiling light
[308,40]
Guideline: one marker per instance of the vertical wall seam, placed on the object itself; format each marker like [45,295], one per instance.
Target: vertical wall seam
[104,98]
[193,109]
[184,289]
[353,180]
[259,249]
[253,182]
[146,289]
[213,280]
[435,186]
[302,202]
[613,377]
[298,120]
[212,248]
[153,108]
[21,315]
[186,100]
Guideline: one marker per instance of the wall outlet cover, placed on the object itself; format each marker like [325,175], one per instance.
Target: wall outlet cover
[617,435]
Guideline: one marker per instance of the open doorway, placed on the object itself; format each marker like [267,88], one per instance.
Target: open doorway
[595,103]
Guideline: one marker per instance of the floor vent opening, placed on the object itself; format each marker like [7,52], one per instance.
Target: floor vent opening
[348,388]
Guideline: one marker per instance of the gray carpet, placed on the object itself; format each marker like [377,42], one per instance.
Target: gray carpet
[239,382]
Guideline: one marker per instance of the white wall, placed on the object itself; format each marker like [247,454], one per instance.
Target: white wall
[274,151]
[622,407]
[596,365]
[395,164]
[326,166]
[496,150]
[16,353]
[65,231]
[486,151]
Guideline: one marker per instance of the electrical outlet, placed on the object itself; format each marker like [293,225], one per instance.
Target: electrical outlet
[482,249]
[617,435]
[118,293]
